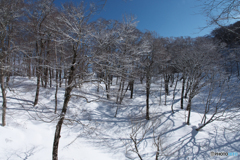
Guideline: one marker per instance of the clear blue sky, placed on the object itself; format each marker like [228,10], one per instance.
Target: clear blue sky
[169,18]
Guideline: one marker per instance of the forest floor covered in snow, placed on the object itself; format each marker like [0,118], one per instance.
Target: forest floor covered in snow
[91,131]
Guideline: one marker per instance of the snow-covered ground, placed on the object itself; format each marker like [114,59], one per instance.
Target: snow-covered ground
[92,132]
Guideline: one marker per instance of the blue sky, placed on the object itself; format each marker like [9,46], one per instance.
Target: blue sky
[169,18]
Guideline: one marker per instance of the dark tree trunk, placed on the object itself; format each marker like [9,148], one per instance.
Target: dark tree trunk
[8,63]
[189,106]
[52,73]
[141,79]
[4,98]
[47,71]
[131,88]
[122,90]
[182,94]
[37,90]
[160,100]
[166,88]
[7,73]
[7,78]
[174,90]
[166,82]
[111,79]
[29,69]
[55,111]
[67,97]
[119,92]
[187,88]
[107,90]
[42,80]
[60,78]
[158,149]
[60,122]
[45,77]
[108,84]
[50,76]
[172,79]
[98,85]
[34,71]
[147,96]
[38,70]
[56,91]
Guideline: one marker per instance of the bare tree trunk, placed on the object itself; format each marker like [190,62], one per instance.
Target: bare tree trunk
[131,88]
[141,78]
[187,88]
[147,96]
[107,90]
[38,72]
[172,79]
[119,90]
[47,70]
[182,94]
[209,121]
[116,111]
[60,78]
[67,97]
[50,76]
[166,81]
[42,80]
[7,78]
[174,94]
[45,77]
[98,85]
[108,82]
[8,73]
[111,79]
[34,71]
[122,94]
[107,85]
[160,101]
[56,91]
[37,90]
[4,98]
[189,106]
[29,68]
[60,122]
[8,63]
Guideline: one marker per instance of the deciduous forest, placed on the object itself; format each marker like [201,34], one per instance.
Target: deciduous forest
[70,82]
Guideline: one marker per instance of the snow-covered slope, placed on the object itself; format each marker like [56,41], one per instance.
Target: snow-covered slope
[92,132]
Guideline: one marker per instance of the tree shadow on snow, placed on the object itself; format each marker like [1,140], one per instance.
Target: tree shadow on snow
[190,146]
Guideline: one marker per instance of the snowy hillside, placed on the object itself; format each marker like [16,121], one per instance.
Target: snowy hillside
[92,132]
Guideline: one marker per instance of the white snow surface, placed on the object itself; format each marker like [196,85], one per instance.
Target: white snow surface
[91,132]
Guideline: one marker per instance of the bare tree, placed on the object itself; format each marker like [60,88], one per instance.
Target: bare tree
[10,13]
[75,32]
[128,54]
[221,100]
[221,10]
[118,49]
[195,62]
[104,39]
[151,59]
[37,13]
